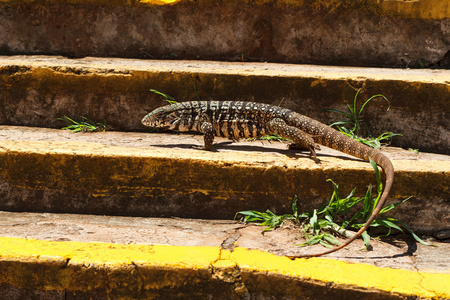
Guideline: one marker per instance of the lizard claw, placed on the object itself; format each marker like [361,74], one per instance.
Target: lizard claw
[312,152]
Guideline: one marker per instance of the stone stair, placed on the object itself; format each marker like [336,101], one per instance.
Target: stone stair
[129,214]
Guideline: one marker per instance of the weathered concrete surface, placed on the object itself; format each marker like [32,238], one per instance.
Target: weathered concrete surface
[140,174]
[354,33]
[60,256]
[397,252]
[35,91]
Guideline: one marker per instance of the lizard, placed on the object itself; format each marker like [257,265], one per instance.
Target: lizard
[238,119]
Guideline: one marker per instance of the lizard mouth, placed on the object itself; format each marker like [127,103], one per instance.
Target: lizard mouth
[150,121]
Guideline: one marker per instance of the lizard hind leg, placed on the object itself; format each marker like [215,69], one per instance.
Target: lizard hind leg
[301,139]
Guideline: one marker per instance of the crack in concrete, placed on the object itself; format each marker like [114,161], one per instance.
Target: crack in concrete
[229,242]
[421,281]
[66,263]
[230,274]
[141,281]
[414,260]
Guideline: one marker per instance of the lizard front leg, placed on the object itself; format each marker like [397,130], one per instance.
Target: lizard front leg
[207,129]
[301,139]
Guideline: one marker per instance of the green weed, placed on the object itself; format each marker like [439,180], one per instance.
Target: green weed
[270,138]
[355,123]
[196,93]
[83,125]
[332,219]
[267,218]
[416,151]
[166,97]
[170,99]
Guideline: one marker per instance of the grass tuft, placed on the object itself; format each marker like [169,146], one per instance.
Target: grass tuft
[332,219]
[83,125]
[354,123]
[166,97]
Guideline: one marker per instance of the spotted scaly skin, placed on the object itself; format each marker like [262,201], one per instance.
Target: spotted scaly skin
[237,119]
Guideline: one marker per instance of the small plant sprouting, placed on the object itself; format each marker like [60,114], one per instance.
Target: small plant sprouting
[267,218]
[270,138]
[83,125]
[355,121]
[416,151]
[335,217]
[167,98]
[170,99]
[196,93]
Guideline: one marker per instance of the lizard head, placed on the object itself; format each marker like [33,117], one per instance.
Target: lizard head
[164,117]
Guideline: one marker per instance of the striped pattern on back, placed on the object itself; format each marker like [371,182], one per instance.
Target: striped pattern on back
[230,119]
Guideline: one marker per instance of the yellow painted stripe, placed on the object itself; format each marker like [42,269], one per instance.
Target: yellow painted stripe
[367,276]
[109,254]
[405,282]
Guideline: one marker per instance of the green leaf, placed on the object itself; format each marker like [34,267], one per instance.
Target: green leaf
[331,239]
[303,215]
[312,241]
[249,213]
[195,90]
[377,175]
[392,206]
[415,236]
[341,123]
[352,112]
[388,224]
[339,112]
[167,98]
[325,244]
[294,207]
[354,102]
[373,97]
[366,238]
[313,220]
[272,137]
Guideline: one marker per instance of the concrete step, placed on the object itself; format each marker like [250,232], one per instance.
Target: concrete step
[149,174]
[63,256]
[135,174]
[37,90]
[387,33]
[52,256]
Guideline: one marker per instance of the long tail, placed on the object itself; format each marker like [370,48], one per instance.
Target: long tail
[345,144]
